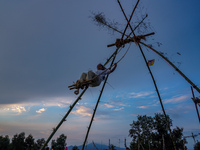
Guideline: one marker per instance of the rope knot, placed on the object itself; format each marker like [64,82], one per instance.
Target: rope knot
[136,39]
[119,43]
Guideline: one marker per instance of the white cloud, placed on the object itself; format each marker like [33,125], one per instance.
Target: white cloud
[143,107]
[26,106]
[40,110]
[18,109]
[108,105]
[118,109]
[13,108]
[177,99]
[140,94]
[57,101]
[83,111]
[147,106]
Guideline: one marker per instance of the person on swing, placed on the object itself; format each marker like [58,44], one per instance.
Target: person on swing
[95,78]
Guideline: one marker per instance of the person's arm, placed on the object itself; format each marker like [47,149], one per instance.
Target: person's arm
[113,69]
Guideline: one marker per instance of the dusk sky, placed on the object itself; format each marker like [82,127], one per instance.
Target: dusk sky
[46,45]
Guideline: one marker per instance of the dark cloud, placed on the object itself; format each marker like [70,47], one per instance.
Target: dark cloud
[39,50]
[44,47]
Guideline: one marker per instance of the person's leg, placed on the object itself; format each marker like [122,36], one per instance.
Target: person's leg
[83,77]
[90,75]
[95,80]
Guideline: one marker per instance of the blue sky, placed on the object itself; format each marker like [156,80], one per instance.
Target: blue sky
[46,45]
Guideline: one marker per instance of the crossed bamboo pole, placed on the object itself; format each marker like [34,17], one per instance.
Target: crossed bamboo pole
[63,119]
[165,58]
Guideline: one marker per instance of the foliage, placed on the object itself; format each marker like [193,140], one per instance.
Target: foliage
[152,133]
[112,147]
[60,142]
[197,146]
[40,142]
[29,142]
[20,142]
[75,148]
[4,142]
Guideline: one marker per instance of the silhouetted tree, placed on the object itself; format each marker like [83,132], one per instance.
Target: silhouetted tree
[75,148]
[112,147]
[40,143]
[60,142]
[197,146]
[4,142]
[141,131]
[18,142]
[152,133]
[29,141]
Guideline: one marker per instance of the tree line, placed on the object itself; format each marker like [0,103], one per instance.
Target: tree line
[20,142]
[147,133]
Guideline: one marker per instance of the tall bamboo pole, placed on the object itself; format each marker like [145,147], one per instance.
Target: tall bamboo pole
[128,21]
[158,96]
[195,103]
[97,103]
[63,119]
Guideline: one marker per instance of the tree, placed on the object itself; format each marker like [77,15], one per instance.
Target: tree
[60,142]
[4,142]
[75,148]
[161,137]
[141,132]
[18,142]
[152,133]
[40,143]
[197,146]
[29,141]
[112,147]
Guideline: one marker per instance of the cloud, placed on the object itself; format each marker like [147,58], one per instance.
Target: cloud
[108,105]
[53,102]
[140,94]
[18,109]
[40,110]
[143,107]
[83,111]
[150,105]
[176,99]
[13,108]
[58,101]
[118,109]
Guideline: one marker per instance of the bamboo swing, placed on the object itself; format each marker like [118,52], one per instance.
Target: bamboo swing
[119,45]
